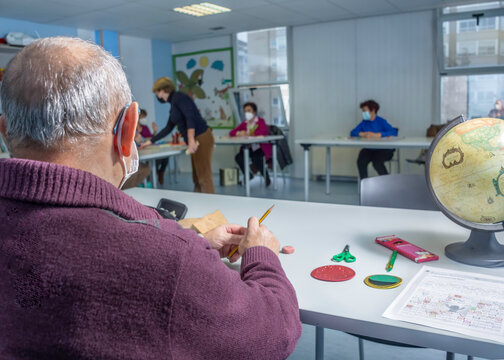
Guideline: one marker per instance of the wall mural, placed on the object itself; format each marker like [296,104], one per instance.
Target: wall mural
[207,76]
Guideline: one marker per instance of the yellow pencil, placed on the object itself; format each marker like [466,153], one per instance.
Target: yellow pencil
[231,253]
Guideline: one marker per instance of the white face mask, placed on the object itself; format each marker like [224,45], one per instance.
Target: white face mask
[143,121]
[249,116]
[498,107]
[134,152]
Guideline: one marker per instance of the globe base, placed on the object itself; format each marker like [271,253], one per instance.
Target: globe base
[481,249]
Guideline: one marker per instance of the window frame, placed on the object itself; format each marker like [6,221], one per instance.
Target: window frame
[466,15]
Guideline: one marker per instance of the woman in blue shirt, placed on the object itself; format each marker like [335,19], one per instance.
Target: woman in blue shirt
[373,126]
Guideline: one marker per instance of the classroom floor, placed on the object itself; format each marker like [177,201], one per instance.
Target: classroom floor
[292,189]
[338,345]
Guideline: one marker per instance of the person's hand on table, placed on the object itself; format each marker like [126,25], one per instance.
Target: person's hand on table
[258,235]
[224,238]
[192,147]
[241,133]
[363,134]
[145,144]
[374,135]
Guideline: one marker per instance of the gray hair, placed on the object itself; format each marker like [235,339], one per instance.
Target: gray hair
[59,90]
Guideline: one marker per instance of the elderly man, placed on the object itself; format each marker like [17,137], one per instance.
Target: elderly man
[86,272]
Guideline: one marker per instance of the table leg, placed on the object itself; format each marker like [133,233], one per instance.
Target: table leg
[319,343]
[328,170]
[398,161]
[275,166]
[153,173]
[450,356]
[175,165]
[306,170]
[246,181]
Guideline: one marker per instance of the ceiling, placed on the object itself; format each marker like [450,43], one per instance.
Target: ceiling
[156,18]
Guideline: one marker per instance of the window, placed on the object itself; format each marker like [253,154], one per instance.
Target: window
[466,48]
[471,61]
[473,7]
[262,61]
[487,47]
[487,24]
[262,71]
[473,96]
[466,26]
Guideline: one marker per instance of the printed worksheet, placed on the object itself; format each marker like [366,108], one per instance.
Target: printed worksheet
[463,302]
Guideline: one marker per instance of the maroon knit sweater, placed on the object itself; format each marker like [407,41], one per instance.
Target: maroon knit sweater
[86,272]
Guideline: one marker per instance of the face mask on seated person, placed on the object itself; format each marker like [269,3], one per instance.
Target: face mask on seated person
[143,121]
[366,115]
[249,116]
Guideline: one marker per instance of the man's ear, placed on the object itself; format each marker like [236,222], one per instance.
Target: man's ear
[3,127]
[129,128]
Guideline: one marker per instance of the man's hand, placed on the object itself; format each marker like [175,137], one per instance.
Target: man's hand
[154,127]
[258,235]
[364,134]
[145,144]
[224,238]
[192,147]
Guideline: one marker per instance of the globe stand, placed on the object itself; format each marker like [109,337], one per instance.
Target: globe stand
[481,249]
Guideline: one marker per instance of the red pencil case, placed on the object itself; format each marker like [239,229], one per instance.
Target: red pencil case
[412,252]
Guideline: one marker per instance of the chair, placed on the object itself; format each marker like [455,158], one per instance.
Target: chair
[403,191]
[420,160]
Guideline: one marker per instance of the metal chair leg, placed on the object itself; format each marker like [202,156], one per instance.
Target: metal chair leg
[361,349]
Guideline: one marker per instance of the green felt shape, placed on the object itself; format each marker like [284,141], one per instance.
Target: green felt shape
[383,280]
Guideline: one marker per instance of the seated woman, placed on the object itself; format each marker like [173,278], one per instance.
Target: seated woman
[253,126]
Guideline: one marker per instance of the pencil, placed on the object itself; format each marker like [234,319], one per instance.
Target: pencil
[391,262]
[231,253]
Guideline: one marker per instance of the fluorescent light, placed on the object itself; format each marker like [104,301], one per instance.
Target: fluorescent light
[202,9]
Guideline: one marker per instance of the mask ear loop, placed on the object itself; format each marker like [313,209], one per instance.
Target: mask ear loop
[118,135]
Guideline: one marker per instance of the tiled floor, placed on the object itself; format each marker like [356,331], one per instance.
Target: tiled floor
[338,345]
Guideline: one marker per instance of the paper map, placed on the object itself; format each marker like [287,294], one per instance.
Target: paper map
[463,302]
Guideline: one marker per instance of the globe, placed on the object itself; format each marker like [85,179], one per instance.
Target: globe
[465,175]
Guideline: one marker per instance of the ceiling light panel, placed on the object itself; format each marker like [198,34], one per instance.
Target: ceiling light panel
[202,9]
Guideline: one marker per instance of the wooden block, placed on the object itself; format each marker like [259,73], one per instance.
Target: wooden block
[209,222]
[188,223]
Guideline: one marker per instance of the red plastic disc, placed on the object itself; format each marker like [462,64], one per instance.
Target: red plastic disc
[333,273]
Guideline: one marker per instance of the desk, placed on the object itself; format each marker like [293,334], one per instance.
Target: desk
[392,143]
[155,152]
[246,142]
[318,231]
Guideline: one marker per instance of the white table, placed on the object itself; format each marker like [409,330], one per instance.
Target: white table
[319,231]
[155,152]
[385,143]
[246,142]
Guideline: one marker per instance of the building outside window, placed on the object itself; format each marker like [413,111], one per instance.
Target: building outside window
[262,63]
[471,59]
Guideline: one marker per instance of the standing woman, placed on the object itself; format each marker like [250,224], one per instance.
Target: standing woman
[185,115]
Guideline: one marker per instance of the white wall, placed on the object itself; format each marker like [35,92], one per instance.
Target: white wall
[136,57]
[337,65]
[223,156]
